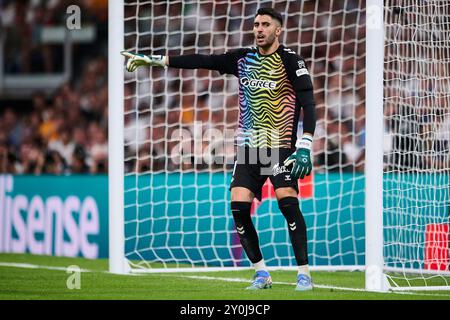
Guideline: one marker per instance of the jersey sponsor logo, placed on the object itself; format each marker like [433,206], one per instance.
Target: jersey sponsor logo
[278,170]
[289,50]
[301,72]
[302,68]
[256,83]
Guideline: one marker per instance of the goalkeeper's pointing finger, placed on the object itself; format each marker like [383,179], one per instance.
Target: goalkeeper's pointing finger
[127,54]
[137,60]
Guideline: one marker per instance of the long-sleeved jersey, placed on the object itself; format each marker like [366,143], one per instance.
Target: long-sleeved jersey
[272,90]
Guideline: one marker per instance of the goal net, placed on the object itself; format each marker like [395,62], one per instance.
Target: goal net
[179,130]
[417,158]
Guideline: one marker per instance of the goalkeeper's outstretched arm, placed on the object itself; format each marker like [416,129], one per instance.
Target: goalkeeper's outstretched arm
[191,61]
[224,63]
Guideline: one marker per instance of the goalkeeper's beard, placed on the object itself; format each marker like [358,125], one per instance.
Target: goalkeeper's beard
[266,42]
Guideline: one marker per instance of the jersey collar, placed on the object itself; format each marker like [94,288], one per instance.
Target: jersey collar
[280,47]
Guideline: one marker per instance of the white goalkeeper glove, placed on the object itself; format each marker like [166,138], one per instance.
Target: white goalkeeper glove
[136,60]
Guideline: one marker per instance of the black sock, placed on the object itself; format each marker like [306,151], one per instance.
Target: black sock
[297,228]
[246,230]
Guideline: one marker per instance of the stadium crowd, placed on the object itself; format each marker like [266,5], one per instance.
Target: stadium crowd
[66,132]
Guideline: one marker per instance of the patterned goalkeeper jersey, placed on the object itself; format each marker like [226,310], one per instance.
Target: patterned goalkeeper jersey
[268,108]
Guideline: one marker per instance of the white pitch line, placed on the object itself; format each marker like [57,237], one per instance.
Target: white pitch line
[321,286]
[35,266]
[274,282]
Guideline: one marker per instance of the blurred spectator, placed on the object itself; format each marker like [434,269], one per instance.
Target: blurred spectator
[32,158]
[63,145]
[54,163]
[13,127]
[39,105]
[78,162]
[50,127]
[99,151]
[7,157]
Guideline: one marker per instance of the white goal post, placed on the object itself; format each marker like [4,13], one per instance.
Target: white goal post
[117,261]
[374,276]
[378,198]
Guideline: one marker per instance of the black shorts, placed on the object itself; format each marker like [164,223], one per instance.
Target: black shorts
[253,166]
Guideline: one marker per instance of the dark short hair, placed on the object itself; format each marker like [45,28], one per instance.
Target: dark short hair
[270,12]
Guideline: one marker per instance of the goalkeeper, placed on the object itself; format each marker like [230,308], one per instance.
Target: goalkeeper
[274,86]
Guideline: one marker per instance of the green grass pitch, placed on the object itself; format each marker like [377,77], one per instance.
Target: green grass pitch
[42,277]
